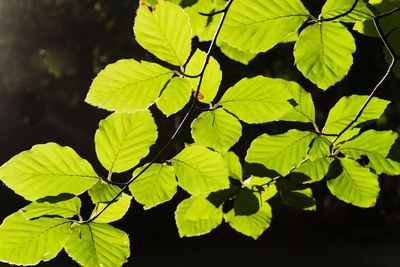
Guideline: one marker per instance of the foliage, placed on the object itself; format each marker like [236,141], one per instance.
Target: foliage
[343,154]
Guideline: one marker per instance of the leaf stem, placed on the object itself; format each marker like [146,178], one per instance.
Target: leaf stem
[200,76]
[387,13]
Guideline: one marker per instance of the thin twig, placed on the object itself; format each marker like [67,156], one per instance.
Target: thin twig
[181,73]
[387,13]
[395,58]
[201,75]
[213,13]
[341,15]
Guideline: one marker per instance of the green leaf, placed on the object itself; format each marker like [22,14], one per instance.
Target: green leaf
[64,205]
[388,23]
[355,185]
[199,22]
[233,164]
[114,212]
[280,152]
[102,192]
[27,242]
[333,8]
[200,170]
[212,22]
[48,170]
[259,25]
[123,139]
[303,109]
[194,217]
[233,53]
[296,195]
[345,111]
[321,148]
[216,129]
[119,87]
[211,78]
[332,45]
[98,244]
[266,190]
[246,202]
[165,32]
[175,96]
[257,100]
[253,225]
[155,186]
[376,146]
[311,171]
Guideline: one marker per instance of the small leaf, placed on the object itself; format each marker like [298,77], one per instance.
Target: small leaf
[48,170]
[320,148]
[211,78]
[345,111]
[196,223]
[253,225]
[216,129]
[102,192]
[27,242]
[123,139]
[260,25]
[200,170]
[280,152]
[266,190]
[64,205]
[333,8]
[376,146]
[311,171]
[296,195]
[98,244]
[155,186]
[175,96]
[234,167]
[332,45]
[114,212]
[355,185]
[199,22]
[233,53]
[257,100]
[165,32]
[119,87]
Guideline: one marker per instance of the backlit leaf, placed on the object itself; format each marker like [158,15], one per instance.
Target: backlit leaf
[233,53]
[175,96]
[119,87]
[280,152]
[102,192]
[165,32]
[233,164]
[216,129]
[200,170]
[333,8]
[320,148]
[114,212]
[332,45]
[296,195]
[311,171]
[155,186]
[265,189]
[27,242]
[48,170]
[98,244]
[123,139]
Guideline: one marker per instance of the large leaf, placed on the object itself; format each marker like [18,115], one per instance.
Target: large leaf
[332,46]
[114,212]
[196,216]
[216,129]
[27,242]
[119,87]
[123,139]
[98,244]
[355,185]
[280,152]
[333,8]
[233,53]
[64,205]
[259,25]
[345,111]
[376,146]
[102,192]
[155,186]
[200,170]
[165,31]
[259,99]
[48,170]
[175,96]
[211,78]
[251,225]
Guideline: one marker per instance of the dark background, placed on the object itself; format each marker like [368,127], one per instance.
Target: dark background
[50,50]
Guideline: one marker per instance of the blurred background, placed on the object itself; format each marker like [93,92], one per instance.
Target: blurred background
[50,51]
